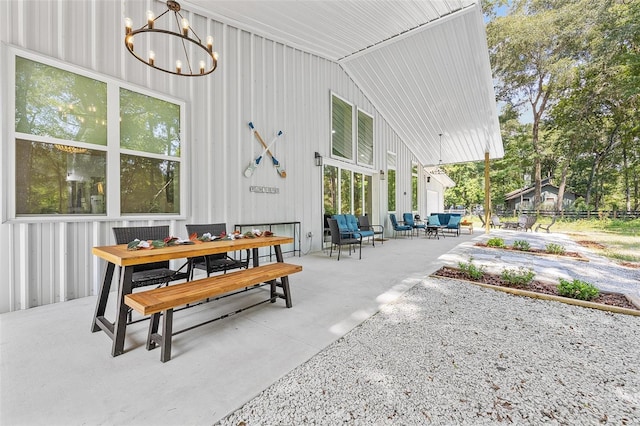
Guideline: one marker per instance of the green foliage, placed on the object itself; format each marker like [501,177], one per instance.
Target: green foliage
[522,245]
[470,270]
[577,289]
[518,277]
[495,242]
[554,248]
[568,75]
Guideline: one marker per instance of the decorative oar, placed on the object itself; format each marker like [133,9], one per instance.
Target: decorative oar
[276,163]
[254,164]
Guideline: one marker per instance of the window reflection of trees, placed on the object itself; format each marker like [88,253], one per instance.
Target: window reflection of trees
[53,181]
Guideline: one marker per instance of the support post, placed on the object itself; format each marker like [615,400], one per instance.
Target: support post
[487,194]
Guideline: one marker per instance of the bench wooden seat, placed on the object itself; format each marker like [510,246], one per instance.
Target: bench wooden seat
[163,300]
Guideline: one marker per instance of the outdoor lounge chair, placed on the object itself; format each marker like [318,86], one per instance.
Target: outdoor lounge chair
[399,228]
[363,223]
[528,223]
[408,220]
[214,262]
[340,239]
[495,221]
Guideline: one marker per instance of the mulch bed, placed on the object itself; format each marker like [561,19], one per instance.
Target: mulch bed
[532,250]
[611,299]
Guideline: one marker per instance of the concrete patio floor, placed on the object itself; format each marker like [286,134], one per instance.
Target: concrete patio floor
[54,371]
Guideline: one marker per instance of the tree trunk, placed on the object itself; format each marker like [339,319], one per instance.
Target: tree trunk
[561,188]
[627,188]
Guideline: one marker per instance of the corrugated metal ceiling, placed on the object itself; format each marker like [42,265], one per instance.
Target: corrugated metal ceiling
[423,64]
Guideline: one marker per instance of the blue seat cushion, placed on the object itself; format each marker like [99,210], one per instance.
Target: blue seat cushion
[434,221]
[454,222]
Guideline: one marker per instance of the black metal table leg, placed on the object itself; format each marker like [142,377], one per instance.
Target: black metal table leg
[167,334]
[103,296]
[120,325]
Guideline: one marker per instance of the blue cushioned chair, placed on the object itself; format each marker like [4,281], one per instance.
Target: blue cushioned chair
[408,220]
[354,227]
[399,228]
[348,226]
[339,239]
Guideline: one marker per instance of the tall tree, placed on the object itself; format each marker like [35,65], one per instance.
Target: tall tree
[533,50]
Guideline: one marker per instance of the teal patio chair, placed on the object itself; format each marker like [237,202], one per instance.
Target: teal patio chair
[399,228]
[408,220]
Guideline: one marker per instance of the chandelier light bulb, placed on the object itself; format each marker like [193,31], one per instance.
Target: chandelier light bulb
[185,27]
[150,18]
[152,57]
[209,43]
[178,66]
[128,25]
[201,67]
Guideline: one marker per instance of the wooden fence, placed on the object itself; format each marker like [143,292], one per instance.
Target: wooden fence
[575,215]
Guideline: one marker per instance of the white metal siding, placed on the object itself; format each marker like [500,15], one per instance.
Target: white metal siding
[275,86]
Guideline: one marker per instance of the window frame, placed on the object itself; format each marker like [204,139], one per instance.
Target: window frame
[363,112]
[351,160]
[392,159]
[112,149]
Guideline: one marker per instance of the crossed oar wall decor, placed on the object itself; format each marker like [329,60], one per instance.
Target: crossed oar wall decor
[267,150]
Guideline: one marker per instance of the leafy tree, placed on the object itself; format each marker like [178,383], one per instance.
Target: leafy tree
[533,50]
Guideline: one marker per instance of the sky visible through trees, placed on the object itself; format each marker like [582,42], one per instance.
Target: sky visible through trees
[567,82]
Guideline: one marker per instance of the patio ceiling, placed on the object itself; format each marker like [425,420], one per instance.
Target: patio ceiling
[423,64]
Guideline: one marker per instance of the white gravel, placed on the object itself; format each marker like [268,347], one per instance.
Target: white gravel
[450,353]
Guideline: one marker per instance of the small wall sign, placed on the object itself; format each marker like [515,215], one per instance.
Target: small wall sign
[264,189]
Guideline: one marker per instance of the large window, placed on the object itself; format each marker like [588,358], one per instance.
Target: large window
[64,141]
[365,139]
[391,181]
[414,187]
[341,128]
[354,195]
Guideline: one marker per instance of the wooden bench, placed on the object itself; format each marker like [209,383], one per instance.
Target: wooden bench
[163,300]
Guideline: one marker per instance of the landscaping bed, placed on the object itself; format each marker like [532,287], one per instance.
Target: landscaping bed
[572,254]
[539,287]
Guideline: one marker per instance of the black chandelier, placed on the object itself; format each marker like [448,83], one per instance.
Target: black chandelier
[154,36]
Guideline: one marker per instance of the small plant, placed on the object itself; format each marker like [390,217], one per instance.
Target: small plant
[518,277]
[470,270]
[495,242]
[554,248]
[577,289]
[522,245]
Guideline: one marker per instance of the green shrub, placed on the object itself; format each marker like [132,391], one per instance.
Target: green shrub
[518,277]
[522,245]
[554,248]
[577,289]
[495,242]
[470,270]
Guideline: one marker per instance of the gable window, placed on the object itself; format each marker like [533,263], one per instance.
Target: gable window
[71,159]
[365,139]
[341,128]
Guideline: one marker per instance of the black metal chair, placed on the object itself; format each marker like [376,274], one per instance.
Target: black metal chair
[341,239]
[363,223]
[157,273]
[221,262]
